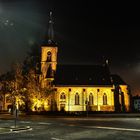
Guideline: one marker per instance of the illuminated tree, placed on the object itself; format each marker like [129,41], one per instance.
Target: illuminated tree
[23,85]
[36,97]
[5,87]
[12,86]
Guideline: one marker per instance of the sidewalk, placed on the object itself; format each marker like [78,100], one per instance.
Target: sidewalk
[127,115]
[6,116]
[111,115]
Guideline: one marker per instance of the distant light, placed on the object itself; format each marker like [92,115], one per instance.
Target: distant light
[90,78]
[31,42]
[7,21]
[11,24]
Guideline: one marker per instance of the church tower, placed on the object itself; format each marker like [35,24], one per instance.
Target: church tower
[48,57]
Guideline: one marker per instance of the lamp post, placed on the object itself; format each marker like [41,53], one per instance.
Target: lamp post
[16,113]
[15,105]
[15,110]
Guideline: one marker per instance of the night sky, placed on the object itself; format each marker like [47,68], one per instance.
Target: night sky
[86,32]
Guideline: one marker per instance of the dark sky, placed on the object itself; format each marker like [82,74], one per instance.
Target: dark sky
[86,31]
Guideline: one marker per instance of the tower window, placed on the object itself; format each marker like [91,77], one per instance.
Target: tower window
[49,56]
[76,99]
[104,99]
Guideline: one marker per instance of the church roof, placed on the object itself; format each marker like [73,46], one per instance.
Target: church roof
[117,80]
[82,75]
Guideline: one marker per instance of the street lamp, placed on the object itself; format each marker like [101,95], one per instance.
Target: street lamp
[15,109]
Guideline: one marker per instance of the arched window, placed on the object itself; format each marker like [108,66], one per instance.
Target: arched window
[90,99]
[49,56]
[104,99]
[62,96]
[76,99]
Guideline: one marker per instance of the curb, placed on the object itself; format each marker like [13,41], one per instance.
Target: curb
[18,129]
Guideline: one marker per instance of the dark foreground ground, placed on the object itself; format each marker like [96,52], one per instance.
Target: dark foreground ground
[97,127]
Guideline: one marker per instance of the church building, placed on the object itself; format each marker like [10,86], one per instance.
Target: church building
[81,87]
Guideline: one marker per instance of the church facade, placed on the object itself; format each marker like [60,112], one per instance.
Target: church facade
[81,87]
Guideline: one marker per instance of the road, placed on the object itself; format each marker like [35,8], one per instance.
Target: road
[64,128]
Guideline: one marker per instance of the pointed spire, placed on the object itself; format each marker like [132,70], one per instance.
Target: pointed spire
[50,30]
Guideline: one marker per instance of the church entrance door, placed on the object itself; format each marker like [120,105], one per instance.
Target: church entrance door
[62,107]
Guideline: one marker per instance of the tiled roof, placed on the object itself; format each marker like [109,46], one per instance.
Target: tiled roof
[117,80]
[82,75]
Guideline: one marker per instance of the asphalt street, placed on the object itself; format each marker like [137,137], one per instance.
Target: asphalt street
[73,128]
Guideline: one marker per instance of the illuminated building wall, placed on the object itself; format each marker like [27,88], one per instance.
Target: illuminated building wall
[91,96]
[126,94]
[5,101]
[81,98]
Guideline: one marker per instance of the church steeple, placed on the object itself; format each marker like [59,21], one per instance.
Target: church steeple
[50,30]
[48,57]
